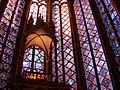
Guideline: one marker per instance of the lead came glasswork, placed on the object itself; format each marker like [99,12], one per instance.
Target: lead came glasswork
[97,49]
[10,35]
[68,59]
[92,62]
[37,60]
[108,25]
[69,65]
[53,65]
[114,15]
[56,20]
[42,11]
[38,8]
[33,12]
[27,59]
[85,48]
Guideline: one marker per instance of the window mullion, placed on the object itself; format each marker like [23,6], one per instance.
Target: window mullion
[8,30]
[62,44]
[91,49]
[115,30]
[33,56]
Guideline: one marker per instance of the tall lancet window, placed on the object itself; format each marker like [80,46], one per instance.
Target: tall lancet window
[9,28]
[65,64]
[38,7]
[111,20]
[95,65]
[56,20]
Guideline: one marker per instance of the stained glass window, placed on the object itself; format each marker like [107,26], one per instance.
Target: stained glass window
[33,60]
[56,20]
[9,27]
[38,8]
[95,65]
[65,59]
[114,15]
[111,20]
[64,69]
[54,76]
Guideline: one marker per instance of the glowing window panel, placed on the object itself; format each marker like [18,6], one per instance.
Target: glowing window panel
[8,36]
[33,12]
[53,65]
[38,61]
[62,1]
[38,7]
[105,82]
[114,15]
[99,57]
[65,59]
[11,40]
[69,65]
[5,21]
[34,0]
[42,11]
[33,60]
[85,48]
[56,20]
[27,59]
[110,31]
